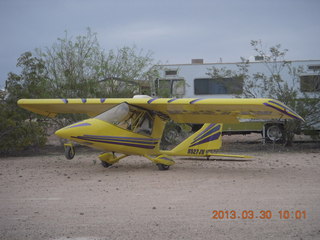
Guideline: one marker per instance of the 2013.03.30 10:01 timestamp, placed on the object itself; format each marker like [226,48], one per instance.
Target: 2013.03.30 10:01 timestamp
[259,214]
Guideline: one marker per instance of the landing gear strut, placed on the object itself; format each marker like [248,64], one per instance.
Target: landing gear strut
[69,151]
[107,159]
[163,162]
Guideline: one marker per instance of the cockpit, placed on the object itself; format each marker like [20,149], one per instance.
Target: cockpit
[129,117]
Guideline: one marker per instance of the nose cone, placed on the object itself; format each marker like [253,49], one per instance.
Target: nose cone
[72,130]
[63,133]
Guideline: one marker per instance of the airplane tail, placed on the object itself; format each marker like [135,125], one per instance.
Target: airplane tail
[204,142]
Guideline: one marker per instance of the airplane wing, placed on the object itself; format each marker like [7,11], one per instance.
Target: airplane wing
[180,110]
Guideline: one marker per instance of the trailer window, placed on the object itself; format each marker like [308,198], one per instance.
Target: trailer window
[310,83]
[314,67]
[171,72]
[170,87]
[218,85]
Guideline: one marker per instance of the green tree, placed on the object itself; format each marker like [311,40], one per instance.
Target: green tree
[18,133]
[123,71]
[73,65]
[20,129]
[31,82]
[81,68]
[70,68]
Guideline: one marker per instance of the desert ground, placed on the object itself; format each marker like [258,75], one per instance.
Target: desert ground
[45,196]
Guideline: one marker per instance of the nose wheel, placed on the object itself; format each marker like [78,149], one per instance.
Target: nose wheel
[69,151]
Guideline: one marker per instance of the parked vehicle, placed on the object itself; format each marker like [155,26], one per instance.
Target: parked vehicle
[193,81]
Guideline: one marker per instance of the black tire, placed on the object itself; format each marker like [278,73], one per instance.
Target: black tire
[69,152]
[274,133]
[105,164]
[163,167]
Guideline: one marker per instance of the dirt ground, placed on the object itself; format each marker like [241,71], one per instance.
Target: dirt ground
[44,196]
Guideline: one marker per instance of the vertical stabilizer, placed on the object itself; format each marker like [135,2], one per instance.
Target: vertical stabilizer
[204,142]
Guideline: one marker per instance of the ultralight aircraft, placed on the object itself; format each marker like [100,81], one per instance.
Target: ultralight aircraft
[134,126]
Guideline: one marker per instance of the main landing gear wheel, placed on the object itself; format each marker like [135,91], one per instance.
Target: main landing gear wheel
[163,167]
[105,164]
[69,152]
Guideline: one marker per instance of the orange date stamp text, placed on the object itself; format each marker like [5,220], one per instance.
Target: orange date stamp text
[259,214]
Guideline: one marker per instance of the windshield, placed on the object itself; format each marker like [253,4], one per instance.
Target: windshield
[116,114]
[129,117]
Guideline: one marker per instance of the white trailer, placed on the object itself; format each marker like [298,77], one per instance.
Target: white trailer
[192,81]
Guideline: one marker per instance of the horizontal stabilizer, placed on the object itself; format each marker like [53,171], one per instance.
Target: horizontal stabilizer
[229,155]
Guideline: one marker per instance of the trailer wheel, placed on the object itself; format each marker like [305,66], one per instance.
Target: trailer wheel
[274,132]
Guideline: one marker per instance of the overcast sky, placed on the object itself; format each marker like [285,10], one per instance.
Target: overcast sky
[175,31]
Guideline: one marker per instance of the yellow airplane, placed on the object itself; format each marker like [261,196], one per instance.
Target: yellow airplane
[134,126]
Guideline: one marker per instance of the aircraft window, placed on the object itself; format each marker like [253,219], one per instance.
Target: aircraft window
[145,126]
[116,114]
[131,118]
[138,122]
